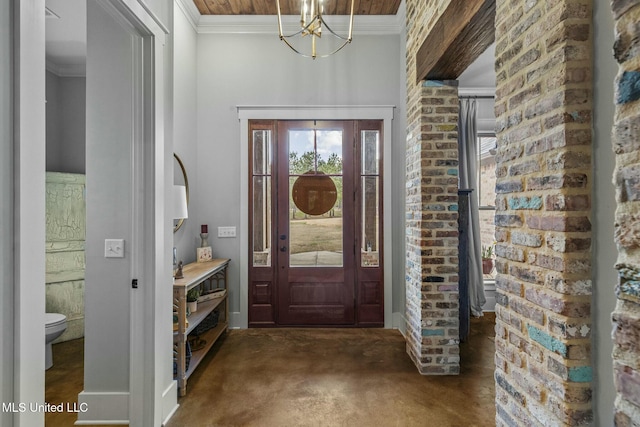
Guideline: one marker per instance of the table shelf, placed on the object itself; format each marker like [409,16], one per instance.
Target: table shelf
[210,275]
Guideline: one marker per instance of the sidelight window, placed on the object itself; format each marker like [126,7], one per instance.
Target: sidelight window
[370,203]
[262,181]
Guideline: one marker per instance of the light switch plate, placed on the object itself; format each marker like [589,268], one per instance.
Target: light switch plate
[226,232]
[114,248]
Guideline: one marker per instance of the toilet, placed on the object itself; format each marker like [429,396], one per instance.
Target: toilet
[55,325]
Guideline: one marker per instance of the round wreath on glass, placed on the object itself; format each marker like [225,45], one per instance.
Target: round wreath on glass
[314,193]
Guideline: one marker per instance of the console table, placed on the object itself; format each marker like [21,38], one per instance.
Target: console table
[210,276]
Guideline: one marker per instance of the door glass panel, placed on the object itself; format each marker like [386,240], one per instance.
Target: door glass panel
[315,198]
[370,182]
[261,198]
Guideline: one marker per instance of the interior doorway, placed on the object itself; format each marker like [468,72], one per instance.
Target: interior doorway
[315,221]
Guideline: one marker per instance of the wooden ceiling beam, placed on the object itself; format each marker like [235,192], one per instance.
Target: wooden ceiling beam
[462,33]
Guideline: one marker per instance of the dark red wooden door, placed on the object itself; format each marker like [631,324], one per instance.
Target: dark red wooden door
[315,245]
[315,225]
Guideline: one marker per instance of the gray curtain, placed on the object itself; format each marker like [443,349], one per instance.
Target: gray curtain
[468,156]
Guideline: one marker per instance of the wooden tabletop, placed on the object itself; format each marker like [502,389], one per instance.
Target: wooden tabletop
[196,272]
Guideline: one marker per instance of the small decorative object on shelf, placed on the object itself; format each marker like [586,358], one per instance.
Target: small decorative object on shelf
[192,299]
[204,254]
[487,259]
[179,274]
[204,234]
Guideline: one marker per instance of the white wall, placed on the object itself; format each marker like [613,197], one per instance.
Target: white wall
[54,123]
[185,120]
[258,69]
[73,133]
[605,251]
[66,123]
[109,215]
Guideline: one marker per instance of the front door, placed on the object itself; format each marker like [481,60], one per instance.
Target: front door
[315,203]
[315,224]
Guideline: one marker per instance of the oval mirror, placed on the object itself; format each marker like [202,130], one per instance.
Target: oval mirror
[179,178]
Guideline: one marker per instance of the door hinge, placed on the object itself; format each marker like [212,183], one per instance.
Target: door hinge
[134,283]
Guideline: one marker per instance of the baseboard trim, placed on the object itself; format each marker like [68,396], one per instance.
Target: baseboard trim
[108,408]
[400,323]
[236,321]
[169,402]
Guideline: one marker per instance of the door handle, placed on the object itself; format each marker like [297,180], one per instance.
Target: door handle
[283,237]
[283,249]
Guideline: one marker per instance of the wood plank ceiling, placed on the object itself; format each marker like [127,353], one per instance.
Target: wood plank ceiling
[292,7]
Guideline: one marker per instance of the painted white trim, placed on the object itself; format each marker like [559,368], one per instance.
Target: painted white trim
[108,408]
[148,19]
[363,25]
[68,70]
[150,324]
[236,321]
[400,323]
[7,257]
[318,112]
[28,205]
[304,112]
[477,91]
[169,402]
[190,11]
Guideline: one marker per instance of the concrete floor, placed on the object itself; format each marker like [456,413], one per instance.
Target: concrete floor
[316,377]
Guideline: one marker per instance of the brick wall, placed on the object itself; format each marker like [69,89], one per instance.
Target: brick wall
[431,208]
[543,213]
[626,145]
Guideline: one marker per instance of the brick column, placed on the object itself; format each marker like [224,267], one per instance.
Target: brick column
[432,229]
[626,145]
[543,213]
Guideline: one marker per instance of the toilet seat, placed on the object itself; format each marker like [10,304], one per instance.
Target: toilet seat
[54,319]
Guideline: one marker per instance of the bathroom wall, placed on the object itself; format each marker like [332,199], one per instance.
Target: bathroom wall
[65,244]
[65,211]
[66,123]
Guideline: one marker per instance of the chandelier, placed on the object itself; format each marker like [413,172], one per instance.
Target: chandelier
[311,24]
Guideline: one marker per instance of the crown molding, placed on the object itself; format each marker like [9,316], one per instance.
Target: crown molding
[477,91]
[190,11]
[66,70]
[268,24]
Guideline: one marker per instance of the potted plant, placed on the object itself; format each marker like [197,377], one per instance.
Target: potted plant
[192,299]
[487,259]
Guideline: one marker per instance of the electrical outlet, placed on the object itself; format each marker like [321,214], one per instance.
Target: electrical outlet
[226,232]
[114,248]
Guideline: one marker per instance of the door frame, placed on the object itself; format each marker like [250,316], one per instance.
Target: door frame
[148,403]
[356,112]
[22,329]
[27,204]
